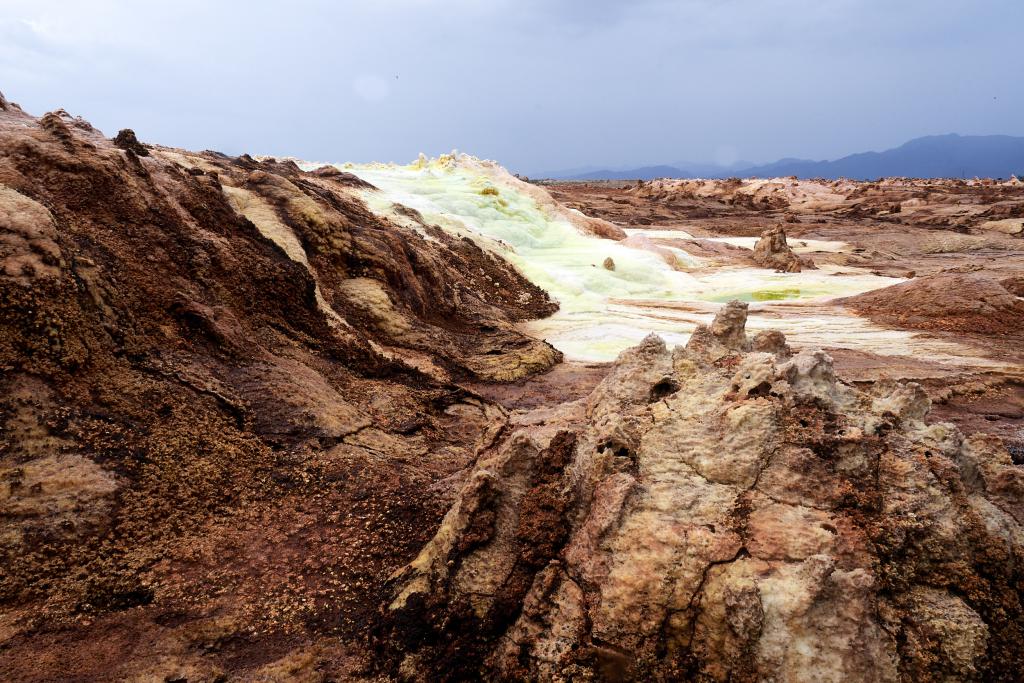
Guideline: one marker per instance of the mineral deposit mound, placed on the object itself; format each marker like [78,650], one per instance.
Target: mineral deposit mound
[271,420]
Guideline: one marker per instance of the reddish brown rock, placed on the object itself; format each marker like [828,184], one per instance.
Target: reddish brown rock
[230,430]
[126,140]
[225,406]
[971,302]
[1014,285]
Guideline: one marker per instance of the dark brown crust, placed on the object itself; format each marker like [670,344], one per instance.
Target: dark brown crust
[195,461]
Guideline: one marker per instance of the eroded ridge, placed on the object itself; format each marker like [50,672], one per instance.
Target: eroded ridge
[730,511]
[226,404]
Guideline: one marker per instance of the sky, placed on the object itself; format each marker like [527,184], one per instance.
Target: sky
[538,85]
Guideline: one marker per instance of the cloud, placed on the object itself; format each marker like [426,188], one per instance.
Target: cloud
[19,33]
[24,39]
[536,84]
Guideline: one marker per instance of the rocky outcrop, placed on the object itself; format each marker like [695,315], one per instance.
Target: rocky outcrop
[971,302]
[932,203]
[753,194]
[724,511]
[1014,285]
[126,140]
[772,251]
[225,405]
[238,441]
[1009,226]
[441,297]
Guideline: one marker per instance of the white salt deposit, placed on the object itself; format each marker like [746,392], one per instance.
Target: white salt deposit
[603,311]
[797,244]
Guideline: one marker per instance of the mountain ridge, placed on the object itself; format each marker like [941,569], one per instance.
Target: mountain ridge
[932,156]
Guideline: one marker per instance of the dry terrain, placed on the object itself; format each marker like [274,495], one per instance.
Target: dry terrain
[259,424]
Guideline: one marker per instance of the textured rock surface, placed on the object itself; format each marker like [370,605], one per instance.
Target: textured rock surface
[235,406]
[891,226]
[225,406]
[772,251]
[987,204]
[953,302]
[1014,285]
[724,513]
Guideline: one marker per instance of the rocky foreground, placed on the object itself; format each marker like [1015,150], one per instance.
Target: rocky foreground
[220,427]
[725,511]
[252,430]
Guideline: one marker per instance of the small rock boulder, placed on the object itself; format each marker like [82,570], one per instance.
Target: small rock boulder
[126,140]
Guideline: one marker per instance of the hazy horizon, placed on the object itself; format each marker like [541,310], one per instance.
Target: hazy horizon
[539,86]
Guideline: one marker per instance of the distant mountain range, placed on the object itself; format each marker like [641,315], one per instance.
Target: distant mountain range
[934,156]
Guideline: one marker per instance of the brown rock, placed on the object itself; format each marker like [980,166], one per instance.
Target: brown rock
[761,521]
[226,406]
[233,402]
[349,179]
[971,302]
[126,140]
[1014,285]
[772,251]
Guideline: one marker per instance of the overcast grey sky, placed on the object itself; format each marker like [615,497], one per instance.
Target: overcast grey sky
[536,84]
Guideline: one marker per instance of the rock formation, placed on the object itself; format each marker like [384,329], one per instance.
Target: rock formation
[240,440]
[968,302]
[225,395]
[1014,285]
[935,203]
[726,511]
[126,140]
[772,251]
